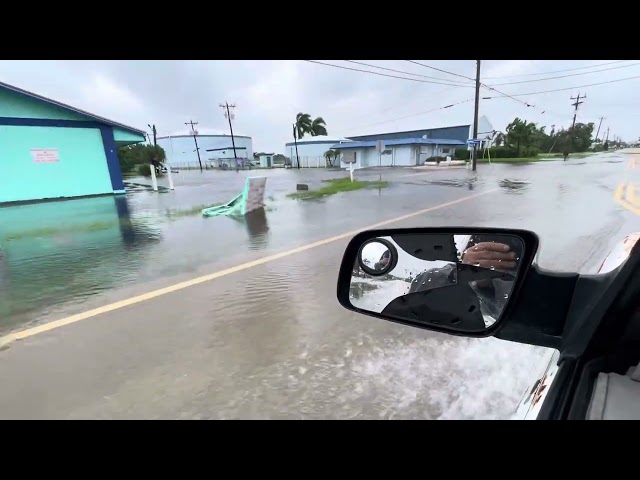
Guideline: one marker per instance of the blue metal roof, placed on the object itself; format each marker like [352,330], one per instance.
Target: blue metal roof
[400,141]
[457,132]
[35,96]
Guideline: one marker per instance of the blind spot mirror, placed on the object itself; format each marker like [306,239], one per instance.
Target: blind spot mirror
[378,256]
[458,281]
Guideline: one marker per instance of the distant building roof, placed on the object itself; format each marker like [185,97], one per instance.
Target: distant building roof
[456,132]
[316,139]
[35,96]
[203,132]
[399,141]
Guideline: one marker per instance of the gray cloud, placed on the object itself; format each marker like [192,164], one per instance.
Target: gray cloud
[268,94]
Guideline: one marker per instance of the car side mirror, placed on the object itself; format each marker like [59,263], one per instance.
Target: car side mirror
[457,280]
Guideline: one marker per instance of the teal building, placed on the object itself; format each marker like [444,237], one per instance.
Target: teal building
[49,150]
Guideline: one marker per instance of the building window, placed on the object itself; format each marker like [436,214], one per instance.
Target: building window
[446,150]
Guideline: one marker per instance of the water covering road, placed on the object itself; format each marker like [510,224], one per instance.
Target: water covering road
[270,341]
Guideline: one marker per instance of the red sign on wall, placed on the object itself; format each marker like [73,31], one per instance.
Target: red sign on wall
[45,155]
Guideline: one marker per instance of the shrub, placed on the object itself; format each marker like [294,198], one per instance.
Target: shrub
[499,152]
[461,154]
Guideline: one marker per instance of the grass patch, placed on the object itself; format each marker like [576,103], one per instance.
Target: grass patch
[337,185]
[195,210]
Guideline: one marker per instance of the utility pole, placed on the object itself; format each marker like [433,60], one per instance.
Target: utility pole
[195,140]
[229,116]
[153,129]
[577,104]
[601,118]
[475,115]
[607,135]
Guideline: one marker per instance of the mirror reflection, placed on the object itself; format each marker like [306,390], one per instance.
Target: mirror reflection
[375,257]
[459,281]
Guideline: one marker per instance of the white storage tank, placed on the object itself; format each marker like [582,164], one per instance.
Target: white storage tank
[215,147]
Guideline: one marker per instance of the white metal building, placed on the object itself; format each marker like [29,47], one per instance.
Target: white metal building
[399,152]
[180,148]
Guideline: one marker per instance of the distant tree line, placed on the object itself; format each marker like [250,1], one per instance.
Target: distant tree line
[527,139]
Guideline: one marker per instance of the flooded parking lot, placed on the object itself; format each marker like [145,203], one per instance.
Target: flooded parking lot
[270,341]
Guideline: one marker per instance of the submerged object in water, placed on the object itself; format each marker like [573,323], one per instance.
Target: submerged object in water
[251,198]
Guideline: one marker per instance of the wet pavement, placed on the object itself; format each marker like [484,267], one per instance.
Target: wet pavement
[270,341]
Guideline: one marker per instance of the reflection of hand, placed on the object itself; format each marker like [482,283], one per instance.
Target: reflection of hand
[490,255]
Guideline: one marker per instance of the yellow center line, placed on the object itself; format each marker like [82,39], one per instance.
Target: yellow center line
[620,194]
[631,195]
[29,332]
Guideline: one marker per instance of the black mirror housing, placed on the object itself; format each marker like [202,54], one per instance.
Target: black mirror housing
[456,280]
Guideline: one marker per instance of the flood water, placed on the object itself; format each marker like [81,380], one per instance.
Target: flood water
[62,257]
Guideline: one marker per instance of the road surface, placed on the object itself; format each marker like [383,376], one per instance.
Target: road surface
[228,320]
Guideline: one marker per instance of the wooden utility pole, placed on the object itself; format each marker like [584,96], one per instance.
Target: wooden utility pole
[576,105]
[475,116]
[229,116]
[599,125]
[153,130]
[195,140]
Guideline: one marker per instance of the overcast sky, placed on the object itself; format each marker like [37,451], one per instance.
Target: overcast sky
[269,94]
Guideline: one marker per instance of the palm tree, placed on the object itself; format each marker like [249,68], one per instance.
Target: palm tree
[302,125]
[331,156]
[318,127]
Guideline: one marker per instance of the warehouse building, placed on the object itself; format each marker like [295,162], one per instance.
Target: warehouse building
[459,132]
[411,147]
[51,150]
[401,152]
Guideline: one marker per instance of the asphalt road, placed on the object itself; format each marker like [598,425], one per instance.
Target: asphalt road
[264,337]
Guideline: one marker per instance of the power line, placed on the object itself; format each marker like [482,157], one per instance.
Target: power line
[395,105]
[398,71]
[555,71]
[472,79]
[569,88]
[565,76]
[382,74]
[440,70]
[412,115]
